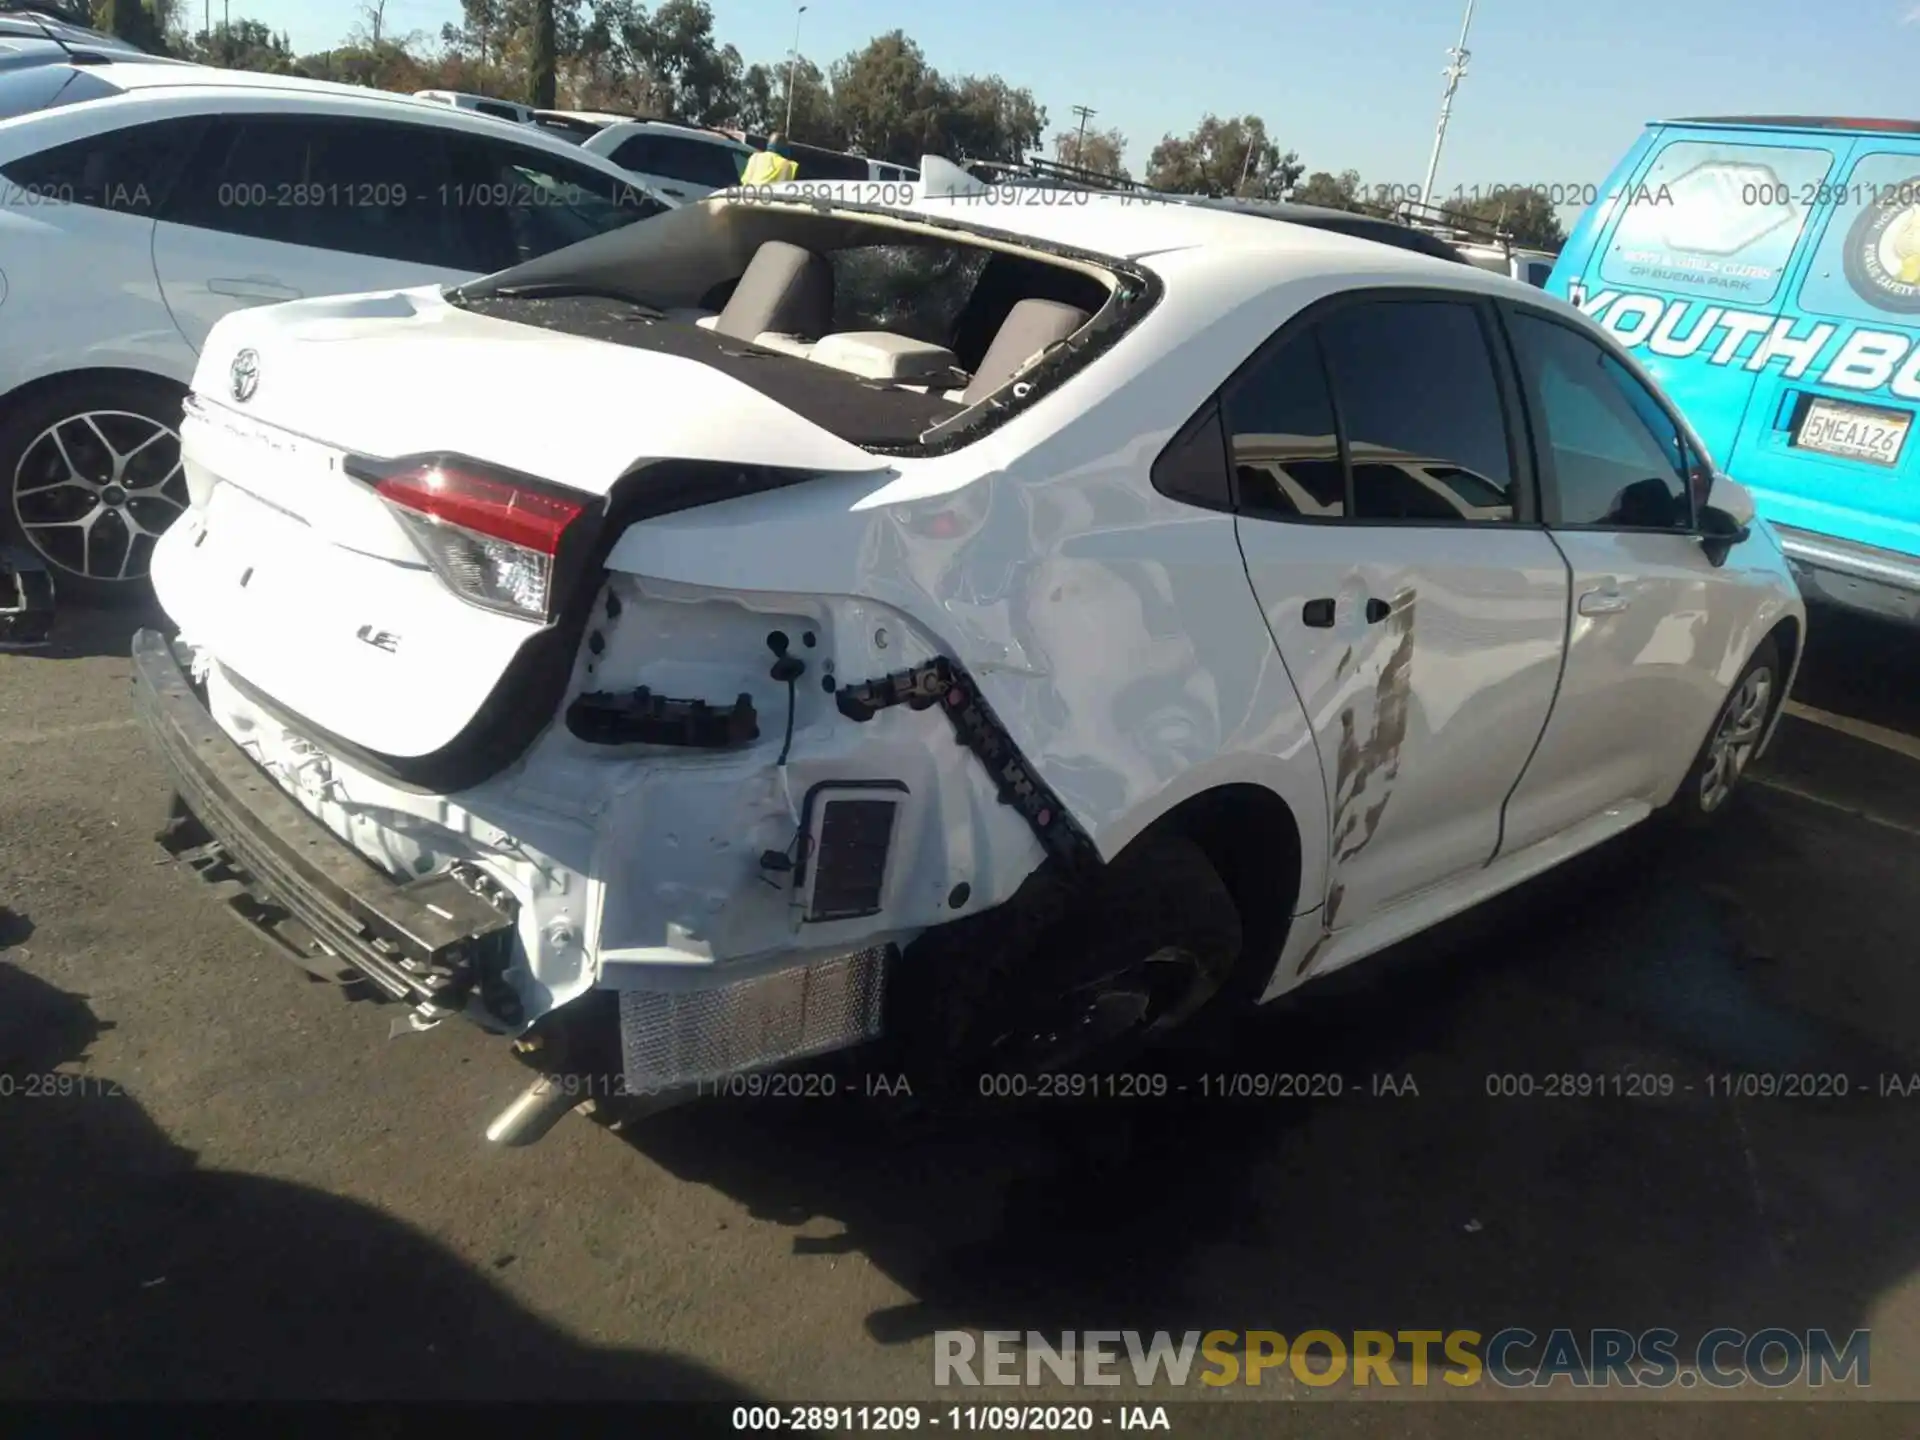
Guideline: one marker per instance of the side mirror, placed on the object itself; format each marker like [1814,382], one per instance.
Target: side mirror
[1727,518]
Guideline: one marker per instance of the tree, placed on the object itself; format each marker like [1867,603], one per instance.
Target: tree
[541,64]
[984,118]
[1102,150]
[888,98]
[1526,215]
[131,21]
[1337,192]
[763,104]
[242,45]
[1224,157]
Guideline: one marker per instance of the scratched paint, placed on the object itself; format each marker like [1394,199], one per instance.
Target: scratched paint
[1369,762]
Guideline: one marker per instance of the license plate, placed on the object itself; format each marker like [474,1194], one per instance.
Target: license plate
[1854,432]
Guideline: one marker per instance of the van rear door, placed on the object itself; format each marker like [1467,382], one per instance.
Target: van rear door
[1829,447]
[1691,258]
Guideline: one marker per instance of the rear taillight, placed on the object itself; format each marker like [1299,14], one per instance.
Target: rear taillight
[494,538]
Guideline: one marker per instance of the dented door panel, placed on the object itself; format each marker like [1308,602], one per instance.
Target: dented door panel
[1424,718]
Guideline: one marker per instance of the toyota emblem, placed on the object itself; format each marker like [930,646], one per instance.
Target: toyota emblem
[245,375]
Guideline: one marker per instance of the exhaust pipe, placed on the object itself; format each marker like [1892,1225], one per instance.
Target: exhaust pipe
[534,1112]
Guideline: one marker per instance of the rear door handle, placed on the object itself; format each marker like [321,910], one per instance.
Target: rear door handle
[253,288]
[1603,602]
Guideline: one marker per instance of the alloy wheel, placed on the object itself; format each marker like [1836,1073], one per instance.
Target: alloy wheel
[93,491]
[1738,735]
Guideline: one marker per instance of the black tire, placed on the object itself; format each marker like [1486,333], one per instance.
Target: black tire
[100,422]
[1130,961]
[1736,732]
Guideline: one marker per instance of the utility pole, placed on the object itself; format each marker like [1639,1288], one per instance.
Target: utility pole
[1080,141]
[1456,68]
[793,63]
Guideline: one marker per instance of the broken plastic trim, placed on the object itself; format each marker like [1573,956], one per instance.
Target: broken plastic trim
[942,682]
[640,717]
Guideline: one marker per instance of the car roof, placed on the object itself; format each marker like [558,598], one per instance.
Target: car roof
[1858,124]
[669,127]
[172,90]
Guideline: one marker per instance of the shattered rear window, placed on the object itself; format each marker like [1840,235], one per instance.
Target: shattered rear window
[914,290]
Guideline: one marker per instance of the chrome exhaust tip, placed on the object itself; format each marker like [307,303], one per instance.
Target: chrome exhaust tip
[535,1111]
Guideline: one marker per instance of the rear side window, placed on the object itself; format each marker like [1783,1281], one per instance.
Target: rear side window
[1281,435]
[1418,397]
[125,170]
[1618,461]
[1868,264]
[1716,220]
[362,187]
[43,87]
[677,158]
[499,112]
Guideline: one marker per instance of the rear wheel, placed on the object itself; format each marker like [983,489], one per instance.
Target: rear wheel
[90,478]
[1732,742]
[1131,960]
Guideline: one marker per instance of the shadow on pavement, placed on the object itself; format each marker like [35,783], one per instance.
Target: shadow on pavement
[83,631]
[131,1273]
[1668,958]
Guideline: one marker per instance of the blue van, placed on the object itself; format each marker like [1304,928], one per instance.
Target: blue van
[1766,270]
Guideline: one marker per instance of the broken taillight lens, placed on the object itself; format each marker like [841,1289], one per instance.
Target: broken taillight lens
[493,538]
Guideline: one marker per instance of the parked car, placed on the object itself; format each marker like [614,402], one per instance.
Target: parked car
[816,163]
[60,64]
[578,126]
[683,162]
[130,224]
[480,105]
[664,573]
[1530,267]
[1764,269]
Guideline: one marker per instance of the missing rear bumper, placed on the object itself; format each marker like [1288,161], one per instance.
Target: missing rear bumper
[673,1040]
[428,942]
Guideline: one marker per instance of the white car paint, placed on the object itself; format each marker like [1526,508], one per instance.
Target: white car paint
[88,288]
[676,180]
[1138,650]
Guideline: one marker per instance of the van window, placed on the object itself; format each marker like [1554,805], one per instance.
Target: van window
[1868,263]
[1715,220]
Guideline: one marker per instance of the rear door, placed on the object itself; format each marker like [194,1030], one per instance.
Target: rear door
[1423,632]
[1689,270]
[284,206]
[1828,446]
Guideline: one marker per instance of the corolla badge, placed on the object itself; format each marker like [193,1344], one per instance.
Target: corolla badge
[245,374]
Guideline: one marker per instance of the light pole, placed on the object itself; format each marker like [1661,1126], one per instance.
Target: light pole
[1456,67]
[793,62]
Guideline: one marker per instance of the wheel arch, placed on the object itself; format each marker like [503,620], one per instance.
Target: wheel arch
[1253,839]
[1788,635]
[28,391]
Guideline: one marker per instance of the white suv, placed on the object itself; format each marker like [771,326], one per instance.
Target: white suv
[131,223]
[680,161]
[784,624]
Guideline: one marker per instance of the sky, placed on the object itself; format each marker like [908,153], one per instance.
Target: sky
[1553,95]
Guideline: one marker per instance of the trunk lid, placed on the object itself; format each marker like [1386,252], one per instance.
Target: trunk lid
[304,583]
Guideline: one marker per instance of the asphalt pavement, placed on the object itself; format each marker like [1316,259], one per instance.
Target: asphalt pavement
[246,1189]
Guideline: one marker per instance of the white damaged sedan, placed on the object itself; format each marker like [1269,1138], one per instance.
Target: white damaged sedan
[1005,622]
